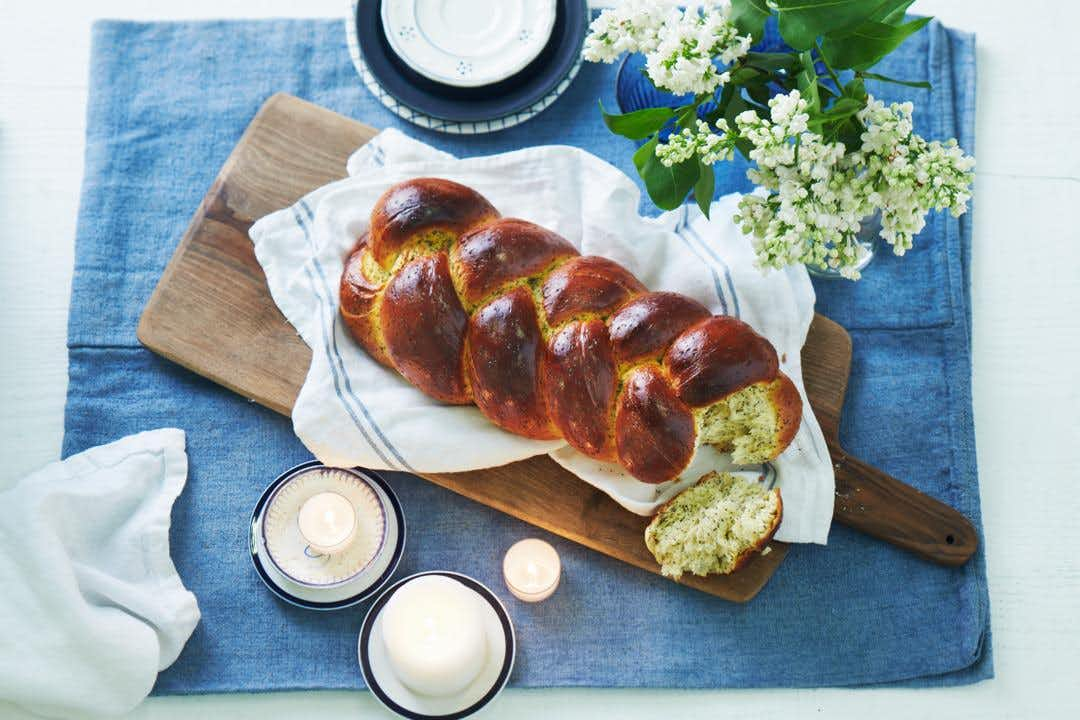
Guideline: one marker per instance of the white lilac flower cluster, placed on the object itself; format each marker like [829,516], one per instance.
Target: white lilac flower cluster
[816,195]
[908,175]
[679,45]
[703,142]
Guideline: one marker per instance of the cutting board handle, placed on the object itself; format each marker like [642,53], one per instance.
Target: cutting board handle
[879,505]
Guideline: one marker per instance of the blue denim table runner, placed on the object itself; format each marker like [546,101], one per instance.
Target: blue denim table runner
[168,101]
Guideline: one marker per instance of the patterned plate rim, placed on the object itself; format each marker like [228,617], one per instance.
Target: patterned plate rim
[533,45]
[447,126]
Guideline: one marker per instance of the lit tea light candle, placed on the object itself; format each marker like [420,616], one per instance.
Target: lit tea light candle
[434,635]
[531,569]
[327,522]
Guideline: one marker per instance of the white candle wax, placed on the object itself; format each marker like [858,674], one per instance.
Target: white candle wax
[434,635]
[327,522]
[531,569]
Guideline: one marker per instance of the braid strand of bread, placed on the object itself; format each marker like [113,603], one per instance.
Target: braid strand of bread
[471,307]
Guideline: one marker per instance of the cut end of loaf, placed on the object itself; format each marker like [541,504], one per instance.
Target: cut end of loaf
[754,424]
[715,526]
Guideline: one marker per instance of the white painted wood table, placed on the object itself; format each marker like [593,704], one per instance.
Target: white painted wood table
[1026,284]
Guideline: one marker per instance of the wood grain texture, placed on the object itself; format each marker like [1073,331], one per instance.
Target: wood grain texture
[867,498]
[878,504]
[213,314]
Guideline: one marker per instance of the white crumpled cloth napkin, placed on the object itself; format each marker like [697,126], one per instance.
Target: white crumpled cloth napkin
[91,607]
[353,411]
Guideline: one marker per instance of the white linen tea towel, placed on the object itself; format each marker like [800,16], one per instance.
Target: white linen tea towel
[353,411]
[92,607]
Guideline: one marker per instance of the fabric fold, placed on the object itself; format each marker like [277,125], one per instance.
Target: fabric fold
[93,607]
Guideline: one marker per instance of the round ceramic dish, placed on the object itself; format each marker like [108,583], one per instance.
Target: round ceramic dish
[349,590]
[466,111]
[289,551]
[384,685]
[467,43]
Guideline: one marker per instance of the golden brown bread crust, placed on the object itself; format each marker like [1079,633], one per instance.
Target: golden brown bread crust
[652,426]
[360,298]
[716,357]
[785,398]
[471,307]
[579,380]
[586,285]
[506,350]
[424,205]
[645,327]
[421,295]
[490,256]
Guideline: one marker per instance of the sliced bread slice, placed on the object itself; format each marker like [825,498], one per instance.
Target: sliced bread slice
[714,526]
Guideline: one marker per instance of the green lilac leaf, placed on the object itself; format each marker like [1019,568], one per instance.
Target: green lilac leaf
[803,21]
[892,15]
[703,188]
[850,133]
[856,89]
[746,74]
[831,122]
[667,186]
[843,108]
[808,84]
[868,43]
[749,17]
[907,83]
[735,106]
[639,124]
[686,116]
[759,93]
[721,105]
[771,62]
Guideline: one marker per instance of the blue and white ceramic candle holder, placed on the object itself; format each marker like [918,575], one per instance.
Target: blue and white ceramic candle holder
[326,538]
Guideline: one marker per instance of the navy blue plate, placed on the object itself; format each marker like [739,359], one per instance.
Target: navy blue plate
[477,104]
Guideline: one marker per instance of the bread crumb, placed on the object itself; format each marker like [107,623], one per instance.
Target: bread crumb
[713,526]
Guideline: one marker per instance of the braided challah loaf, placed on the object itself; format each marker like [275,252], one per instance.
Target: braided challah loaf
[470,307]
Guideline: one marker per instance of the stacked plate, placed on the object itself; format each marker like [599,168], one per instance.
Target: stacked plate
[467,66]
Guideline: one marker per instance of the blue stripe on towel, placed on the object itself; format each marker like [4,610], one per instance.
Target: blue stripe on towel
[337,355]
[679,227]
[333,355]
[707,248]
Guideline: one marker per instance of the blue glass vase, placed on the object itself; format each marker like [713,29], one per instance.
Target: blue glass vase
[634,91]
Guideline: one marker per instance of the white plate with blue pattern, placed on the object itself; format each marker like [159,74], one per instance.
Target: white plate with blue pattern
[467,43]
[559,71]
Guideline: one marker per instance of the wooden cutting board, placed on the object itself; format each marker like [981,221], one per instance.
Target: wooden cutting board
[212,313]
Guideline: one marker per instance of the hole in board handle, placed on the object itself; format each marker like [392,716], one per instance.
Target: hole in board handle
[949,539]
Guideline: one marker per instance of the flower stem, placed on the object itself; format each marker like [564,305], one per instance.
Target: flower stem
[828,68]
